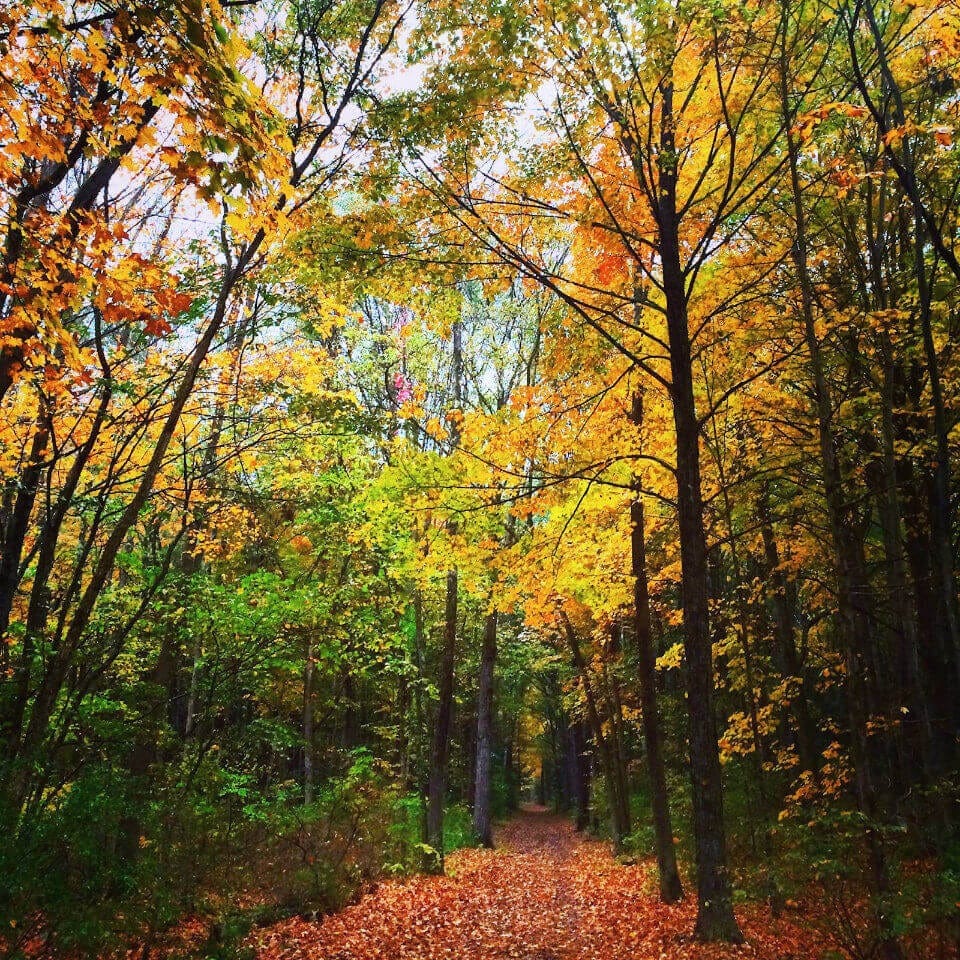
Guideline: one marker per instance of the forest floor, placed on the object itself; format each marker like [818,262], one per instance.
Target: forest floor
[545,893]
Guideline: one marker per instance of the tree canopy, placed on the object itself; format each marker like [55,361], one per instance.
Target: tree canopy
[413,408]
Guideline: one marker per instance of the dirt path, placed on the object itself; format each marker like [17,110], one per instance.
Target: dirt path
[545,893]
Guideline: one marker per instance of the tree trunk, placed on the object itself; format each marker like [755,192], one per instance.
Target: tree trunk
[440,748]
[481,807]
[421,773]
[715,918]
[671,889]
[619,812]
[619,747]
[15,531]
[308,772]
[852,586]
[581,775]
[791,666]
[14,703]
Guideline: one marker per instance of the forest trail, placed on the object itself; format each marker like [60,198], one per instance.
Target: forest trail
[545,893]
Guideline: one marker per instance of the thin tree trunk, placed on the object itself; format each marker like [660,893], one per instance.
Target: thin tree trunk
[440,748]
[403,736]
[420,713]
[581,775]
[792,668]
[308,772]
[482,826]
[671,889]
[620,825]
[852,588]
[622,792]
[15,531]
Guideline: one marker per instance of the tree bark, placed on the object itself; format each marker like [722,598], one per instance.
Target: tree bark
[852,587]
[791,666]
[715,918]
[308,772]
[482,826]
[619,811]
[440,748]
[671,889]
[581,775]
[15,530]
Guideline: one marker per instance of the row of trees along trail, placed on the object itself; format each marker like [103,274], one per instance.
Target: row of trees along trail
[407,409]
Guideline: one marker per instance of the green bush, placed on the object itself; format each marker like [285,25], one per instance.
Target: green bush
[406,830]
[458,827]
[96,864]
[112,859]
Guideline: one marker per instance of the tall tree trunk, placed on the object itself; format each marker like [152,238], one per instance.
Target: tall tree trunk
[671,889]
[618,745]
[440,748]
[619,812]
[852,586]
[783,625]
[482,826]
[422,773]
[581,774]
[403,735]
[308,772]
[715,918]
[15,530]
[14,702]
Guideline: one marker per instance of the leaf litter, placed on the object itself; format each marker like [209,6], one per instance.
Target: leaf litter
[545,893]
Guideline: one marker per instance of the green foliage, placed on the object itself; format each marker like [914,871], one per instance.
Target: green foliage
[458,827]
[114,858]
[407,827]
[108,858]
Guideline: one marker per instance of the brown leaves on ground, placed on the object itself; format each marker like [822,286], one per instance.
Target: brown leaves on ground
[546,893]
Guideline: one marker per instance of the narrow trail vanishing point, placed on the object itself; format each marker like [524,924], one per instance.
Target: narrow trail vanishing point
[545,893]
